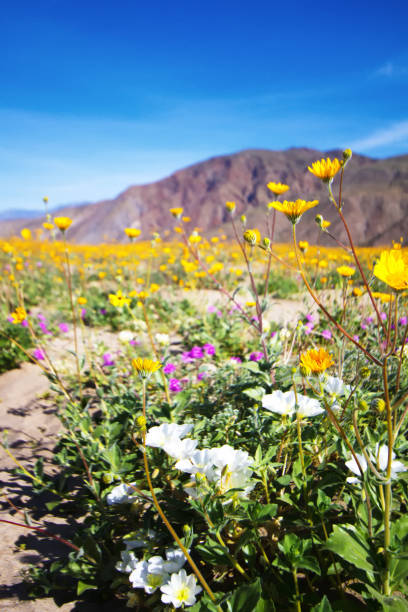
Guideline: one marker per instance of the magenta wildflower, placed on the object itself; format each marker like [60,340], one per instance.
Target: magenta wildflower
[83,313]
[107,360]
[201,375]
[383,316]
[236,359]
[197,352]
[186,357]
[175,385]
[403,320]
[64,327]
[326,333]
[169,368]
[256,356]
[209,349]
[38,354]
[356,338]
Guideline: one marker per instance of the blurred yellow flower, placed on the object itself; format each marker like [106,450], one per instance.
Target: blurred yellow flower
[132,232]
[48,226]
[316,360]
[118,299]
[392,269]
[294,210]
[82,301]
[325,169]
[145,367]
[62,223]
[19,315]
[177,212]
[278,188]
[346,271]
[26,233]
[230,206]
[252,236]
[303,245]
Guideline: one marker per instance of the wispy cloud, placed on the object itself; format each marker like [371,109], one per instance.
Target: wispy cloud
[381,138]
[391,70]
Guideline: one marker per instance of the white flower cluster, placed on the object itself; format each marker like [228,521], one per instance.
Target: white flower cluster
[287,404]
[178,588]
[224,466]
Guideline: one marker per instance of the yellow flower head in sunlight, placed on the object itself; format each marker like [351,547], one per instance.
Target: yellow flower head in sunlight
[145,367]
[252,236]
[62,223]
[48,226]
[325,169]
[26,233]
[303,245]
[385,298]
[118,299]
[316,361]
[177,212]
[346,271]
[322,223]
[19,315]
[392,269]
[278,188]
[132,232]
[230,206]
[82,301]
[294,210]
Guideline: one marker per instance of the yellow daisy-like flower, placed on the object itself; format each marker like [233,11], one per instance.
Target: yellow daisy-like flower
[325,169]
[132,232]
[145,367]
[357,292]
[26,233]
[392,269]
[19,315]
[177,212]
[316,361]
[346,271]
[252,236]
[230,206]
[194,238]
[118,299]
[48,226]
[303,245]
[384,297]
[322,223]
[82,301]
[62,223]
[294,210]
[278,188]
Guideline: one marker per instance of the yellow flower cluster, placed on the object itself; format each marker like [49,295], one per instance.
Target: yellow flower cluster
[316,361]
[19,315]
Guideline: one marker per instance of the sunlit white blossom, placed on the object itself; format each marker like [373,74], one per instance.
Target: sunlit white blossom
[181,590]
[122,494]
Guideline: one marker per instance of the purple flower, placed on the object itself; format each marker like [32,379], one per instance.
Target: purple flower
[39,264]
[83,313]
[10,319]
[356,338]
[103,311]
[64,327]
[38,354]
[201,375]
[211,309]
[209,349]
[43,326]
[370,320]
[256,356]
[310,318]
[169,368]
[403,320]
[273,334]
[186,357]
[197,352]
[134,342]
[25,323]
[363,326]
[326,333]
[41,317]
[383,317]
[236,359]
[107,360]
[175,385]
[308,328]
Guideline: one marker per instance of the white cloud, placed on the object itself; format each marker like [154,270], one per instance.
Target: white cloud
[380,138]
[390,70]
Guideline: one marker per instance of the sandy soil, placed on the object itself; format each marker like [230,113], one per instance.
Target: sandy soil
[32,428]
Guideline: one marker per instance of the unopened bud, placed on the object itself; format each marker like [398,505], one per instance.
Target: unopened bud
[365,372]
[362,405]
[266,242]
[347,154]
[141,422]
[243,220]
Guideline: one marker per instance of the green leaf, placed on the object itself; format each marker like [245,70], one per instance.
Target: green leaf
[252,366]
[83,586]
[345,542]
[309,563]
[245,598]
[255,393]
[323,606]
[389,603]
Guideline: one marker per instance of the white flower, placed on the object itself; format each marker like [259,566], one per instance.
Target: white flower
[280,402]
[175,560]
[149,575]
[284,333]
[335,386]
[200,462]
[161,435]
[125,336]
[380,460]
[285,404]
[129,562]
[180,590]
[139,325]
[308,407]
[122,494]
[180,449]
[163,339]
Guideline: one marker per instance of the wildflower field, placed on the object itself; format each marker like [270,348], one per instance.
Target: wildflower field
[215,452]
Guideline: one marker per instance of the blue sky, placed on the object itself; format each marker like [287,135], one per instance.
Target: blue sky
[96,96]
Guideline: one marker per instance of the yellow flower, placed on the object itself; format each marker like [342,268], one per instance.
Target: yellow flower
[19,315]
[194,238]
[384,297]
[230,206]
[346,271]
[294,210]
[48,226]
[322,223]
[82,301]
[278,188]
[132,232]
[392,269]
[357,292]
[118,299]
[154,287]
[62,223]
[316,360]
[177,212]
[145,367]
[26,233]
[45,199]
[216,267]
[186,219]
[325,169]
[252,236]
[303,245]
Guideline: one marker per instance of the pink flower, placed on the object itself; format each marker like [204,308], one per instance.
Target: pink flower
[326,333]
[38,354]
[169,368]
[175,385]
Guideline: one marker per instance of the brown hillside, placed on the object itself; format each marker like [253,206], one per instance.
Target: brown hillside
[375,198]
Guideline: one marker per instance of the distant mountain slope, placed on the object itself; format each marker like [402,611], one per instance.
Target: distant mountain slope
[375,198]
